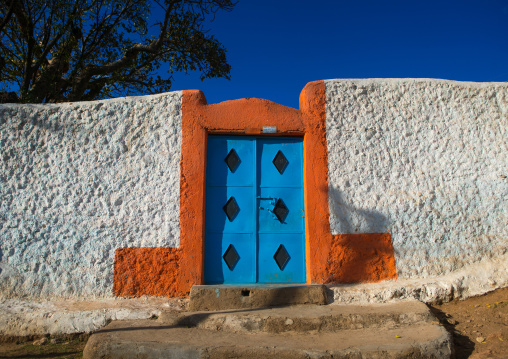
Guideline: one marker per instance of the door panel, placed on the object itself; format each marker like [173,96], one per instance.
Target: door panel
[294,269]
[292,172]
[292,199]
[218,197]
[218,172]
[243,270]
[254,230]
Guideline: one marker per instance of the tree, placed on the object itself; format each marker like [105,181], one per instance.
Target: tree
[63,50]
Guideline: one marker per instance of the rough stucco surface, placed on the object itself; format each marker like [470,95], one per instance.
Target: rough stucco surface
[475,279]
[79,180]
[425,160]
[36,316]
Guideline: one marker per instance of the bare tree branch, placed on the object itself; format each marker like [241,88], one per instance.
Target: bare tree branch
[7,16]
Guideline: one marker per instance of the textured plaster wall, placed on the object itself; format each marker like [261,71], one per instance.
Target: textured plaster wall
[79,180]
[425,160]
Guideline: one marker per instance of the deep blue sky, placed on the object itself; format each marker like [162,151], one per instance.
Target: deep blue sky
[276,46]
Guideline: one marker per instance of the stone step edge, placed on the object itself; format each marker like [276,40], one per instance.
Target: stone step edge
[279,320]
[222,297]
[103,345]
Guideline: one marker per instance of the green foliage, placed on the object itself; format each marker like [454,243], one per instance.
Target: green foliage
[61,50]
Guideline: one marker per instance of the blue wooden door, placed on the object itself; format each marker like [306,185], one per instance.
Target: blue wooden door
[254,230]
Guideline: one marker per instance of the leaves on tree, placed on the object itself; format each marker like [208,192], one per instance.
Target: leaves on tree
[60,50]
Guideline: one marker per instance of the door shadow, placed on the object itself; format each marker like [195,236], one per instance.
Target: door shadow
[350,218]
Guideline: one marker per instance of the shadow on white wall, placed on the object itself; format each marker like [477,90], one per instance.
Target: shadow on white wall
[349,219]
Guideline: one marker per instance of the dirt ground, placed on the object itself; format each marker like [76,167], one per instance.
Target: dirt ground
[59,347]
[479,326]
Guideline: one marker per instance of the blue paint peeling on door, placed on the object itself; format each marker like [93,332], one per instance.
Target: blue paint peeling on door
[254,213]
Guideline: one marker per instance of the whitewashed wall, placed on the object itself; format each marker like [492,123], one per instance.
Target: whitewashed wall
[425,160]
[79,180]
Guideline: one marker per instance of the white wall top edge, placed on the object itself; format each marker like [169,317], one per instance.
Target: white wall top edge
[91,103]
[389,80]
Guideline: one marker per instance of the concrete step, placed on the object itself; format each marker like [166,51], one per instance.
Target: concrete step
[305,318]
[148,340]
[403,330]
[220,297]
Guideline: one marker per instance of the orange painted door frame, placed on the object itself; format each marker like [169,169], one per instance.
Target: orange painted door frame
[248,117]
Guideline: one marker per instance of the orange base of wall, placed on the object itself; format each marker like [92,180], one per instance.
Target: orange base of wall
[354,258]
[146,271]
[363,257]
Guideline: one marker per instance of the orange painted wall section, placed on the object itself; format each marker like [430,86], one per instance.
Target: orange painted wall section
[363,257]
[330,259]
[146,271]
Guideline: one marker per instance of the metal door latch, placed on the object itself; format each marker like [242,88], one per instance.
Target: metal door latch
[273,201]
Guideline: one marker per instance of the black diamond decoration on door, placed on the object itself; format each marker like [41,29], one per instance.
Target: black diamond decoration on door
[281,257]
[232,160]
[231,208]
[280,210]
[231,257]
[280,161]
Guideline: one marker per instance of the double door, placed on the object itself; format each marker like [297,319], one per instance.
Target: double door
[254,212]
